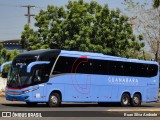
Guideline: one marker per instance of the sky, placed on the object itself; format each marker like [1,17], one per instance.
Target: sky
[12,19]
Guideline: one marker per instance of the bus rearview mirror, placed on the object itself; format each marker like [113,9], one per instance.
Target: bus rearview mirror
[29,67]
[4,64]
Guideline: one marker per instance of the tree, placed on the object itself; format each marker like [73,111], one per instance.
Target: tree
[156,3]
[83,26]
[145,20]
[6,56]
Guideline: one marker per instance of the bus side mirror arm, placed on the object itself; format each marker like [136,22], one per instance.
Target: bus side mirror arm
[29,67]
[4,64]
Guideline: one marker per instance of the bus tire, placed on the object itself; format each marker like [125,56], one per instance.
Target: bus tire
[136,100]
[31,103]
[54,100]
[125,100]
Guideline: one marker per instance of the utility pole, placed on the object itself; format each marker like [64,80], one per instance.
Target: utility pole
[29,20]
[29,14]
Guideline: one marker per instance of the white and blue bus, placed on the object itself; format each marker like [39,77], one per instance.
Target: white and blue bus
[56,76]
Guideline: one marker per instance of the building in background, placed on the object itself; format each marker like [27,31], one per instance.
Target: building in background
[12,44]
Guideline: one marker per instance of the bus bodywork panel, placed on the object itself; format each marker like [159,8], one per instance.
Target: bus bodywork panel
[85,88]
[82,90]
[89,77]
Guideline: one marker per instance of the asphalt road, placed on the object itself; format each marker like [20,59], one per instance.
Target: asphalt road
[77,107]
[78,111]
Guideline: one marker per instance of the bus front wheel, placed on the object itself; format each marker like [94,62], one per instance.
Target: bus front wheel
[125,100]
[54,100]
[136,100]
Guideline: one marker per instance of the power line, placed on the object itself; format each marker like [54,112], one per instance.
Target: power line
[10,28]
[8,5]
[11,16]
[8,33]
[42,8]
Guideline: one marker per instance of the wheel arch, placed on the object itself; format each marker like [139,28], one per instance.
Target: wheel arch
[126,92]
[58,92]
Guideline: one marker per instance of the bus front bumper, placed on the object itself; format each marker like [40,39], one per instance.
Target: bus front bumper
[22,97]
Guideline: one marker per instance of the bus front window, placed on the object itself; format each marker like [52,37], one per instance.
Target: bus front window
[41,74]
[18,77]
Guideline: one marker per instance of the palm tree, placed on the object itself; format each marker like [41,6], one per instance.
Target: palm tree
[156,3]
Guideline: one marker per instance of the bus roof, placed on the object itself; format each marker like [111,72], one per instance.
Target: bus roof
[44,52]
[103,56]
[39,52]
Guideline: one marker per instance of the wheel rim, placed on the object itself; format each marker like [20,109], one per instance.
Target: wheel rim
[136,100]
[54,99]
[125,101]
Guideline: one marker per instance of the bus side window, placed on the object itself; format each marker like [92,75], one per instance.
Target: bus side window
[64,65]
[84,66]
[118,68]
[133,69]
[153,70]
[141,70]
[59,65]
[100,67]
[115,68]
[96,66]
[41,74]
[145,71]
[38,76]
[126,69]
[111,67]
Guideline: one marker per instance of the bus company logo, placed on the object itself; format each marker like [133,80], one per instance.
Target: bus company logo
[119,80]
[85,88]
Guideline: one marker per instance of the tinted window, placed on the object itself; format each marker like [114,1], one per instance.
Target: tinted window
[100,67]
[104,67]
[64,65]
[83,65]
[130,69]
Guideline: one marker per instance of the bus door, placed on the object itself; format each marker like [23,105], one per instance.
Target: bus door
[39,80]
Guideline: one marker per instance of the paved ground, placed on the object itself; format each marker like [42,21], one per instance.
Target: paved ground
[71,109]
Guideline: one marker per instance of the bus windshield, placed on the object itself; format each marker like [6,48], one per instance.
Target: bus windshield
[18,77]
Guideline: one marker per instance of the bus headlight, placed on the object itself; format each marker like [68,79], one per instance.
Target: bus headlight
[33,89]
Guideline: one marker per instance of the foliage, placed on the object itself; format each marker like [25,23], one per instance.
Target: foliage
[156,3]
[145,21]
[83,26]
[6,56]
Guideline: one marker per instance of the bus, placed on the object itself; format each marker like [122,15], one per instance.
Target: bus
[57,76]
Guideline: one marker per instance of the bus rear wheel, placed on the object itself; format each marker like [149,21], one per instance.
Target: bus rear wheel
[125,100]
[54,100]
[136,100]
